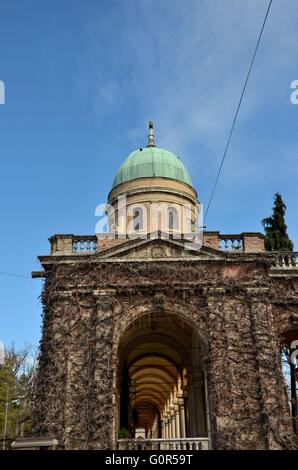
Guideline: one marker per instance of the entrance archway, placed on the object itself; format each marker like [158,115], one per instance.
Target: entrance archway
[161,385]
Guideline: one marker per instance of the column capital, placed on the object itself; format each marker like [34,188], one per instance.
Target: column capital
[180,401]
[176,406]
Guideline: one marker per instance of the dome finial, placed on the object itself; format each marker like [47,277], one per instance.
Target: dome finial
[151,142]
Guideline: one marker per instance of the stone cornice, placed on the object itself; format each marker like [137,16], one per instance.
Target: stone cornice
[202,255]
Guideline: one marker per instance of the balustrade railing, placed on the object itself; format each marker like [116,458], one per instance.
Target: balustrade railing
[230,242]
[285,260]
[66,245]
[188,443]
[84,245]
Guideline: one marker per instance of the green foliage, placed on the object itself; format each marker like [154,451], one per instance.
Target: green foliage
[16,394]
[275,227]
[124,434]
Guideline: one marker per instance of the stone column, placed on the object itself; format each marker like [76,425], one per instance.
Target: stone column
[208,421]
[50,401]
[173,423]
[162,429]
[181,416]
[242,346]
[177,420]
[222,310]
[102,365]
[166,427]
[79,418]
[277,427]
[170,435]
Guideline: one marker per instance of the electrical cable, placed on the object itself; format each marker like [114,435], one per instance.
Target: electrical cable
[237,111]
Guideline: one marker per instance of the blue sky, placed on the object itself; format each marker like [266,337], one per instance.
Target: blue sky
[83,78]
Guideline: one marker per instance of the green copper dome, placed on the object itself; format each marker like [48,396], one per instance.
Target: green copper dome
[149,162]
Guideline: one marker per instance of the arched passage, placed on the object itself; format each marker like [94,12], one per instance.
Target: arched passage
[160,378]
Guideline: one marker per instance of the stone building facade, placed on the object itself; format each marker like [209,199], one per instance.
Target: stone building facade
[143,330]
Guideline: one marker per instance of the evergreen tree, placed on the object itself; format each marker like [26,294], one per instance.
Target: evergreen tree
[16,395]
[276,237]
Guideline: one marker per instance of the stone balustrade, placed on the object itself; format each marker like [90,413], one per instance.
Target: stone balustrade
[84,245]
[248,242]
[230,242]
[285,260]
[69,244]
[65,245]
[187,443]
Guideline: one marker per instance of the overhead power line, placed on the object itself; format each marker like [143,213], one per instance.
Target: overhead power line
[237,110]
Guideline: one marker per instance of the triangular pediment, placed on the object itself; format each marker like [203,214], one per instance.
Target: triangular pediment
[159,248]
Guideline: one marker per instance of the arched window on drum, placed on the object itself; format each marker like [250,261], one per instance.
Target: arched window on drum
[138,223]
[172,218]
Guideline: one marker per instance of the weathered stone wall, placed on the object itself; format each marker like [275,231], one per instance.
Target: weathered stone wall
[74,386]
[88,307]
[52,369]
